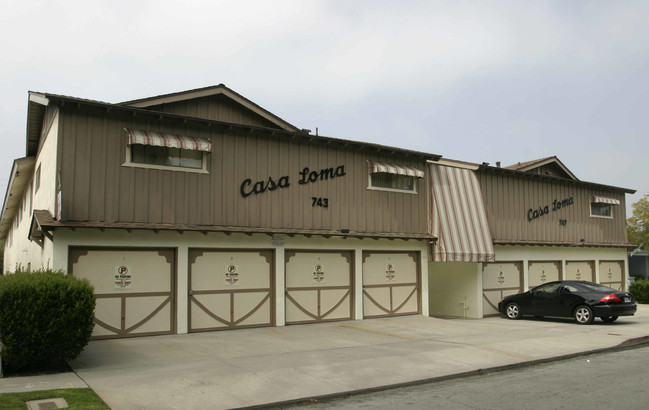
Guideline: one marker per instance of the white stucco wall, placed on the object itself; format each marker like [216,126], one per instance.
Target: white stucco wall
[183,242]
[22,252]
[455,289]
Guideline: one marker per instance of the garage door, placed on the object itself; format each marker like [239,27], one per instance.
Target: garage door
[391,284]
[318,286]
[611,274]
[135,289]
[499,280]
[584,270]
[230,288]
[543,272]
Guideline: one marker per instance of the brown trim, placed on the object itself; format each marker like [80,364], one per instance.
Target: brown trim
[319,316]
[521,283]
[591,262]
[170,254]
[49,225]
[565,244]
[231,323]
[391,310]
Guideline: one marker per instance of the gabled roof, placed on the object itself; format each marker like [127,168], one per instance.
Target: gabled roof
[538,163]
[210,91]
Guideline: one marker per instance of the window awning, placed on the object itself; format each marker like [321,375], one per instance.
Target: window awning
[458,217]
[376,167]
[159,139]
[604,200]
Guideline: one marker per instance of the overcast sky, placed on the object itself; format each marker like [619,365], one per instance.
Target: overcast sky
[480,81]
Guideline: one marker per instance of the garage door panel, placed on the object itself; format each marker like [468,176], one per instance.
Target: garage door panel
[391,283]
[543,272]
[318,286]
[583,270]
[135,289]
[611,274]
[499,279]
[210,270]
[374,299]
[335,304]
[405,299]
[109,310]
[150,309]
[258,316]
[230,288]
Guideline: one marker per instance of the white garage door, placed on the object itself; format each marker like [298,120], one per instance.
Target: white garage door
[318,286]
[611,274]
[543,272]
[230,288]
[135,289]
[500,279]
[391,284]
[584,270]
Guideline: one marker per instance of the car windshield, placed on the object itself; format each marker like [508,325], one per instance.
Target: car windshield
[595,287]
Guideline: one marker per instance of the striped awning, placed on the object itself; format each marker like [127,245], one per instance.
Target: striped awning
[604,200]
[377,167]
[159,139]
[458,217]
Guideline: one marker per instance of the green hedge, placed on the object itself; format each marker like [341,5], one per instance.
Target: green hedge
[44,316]
[640,290]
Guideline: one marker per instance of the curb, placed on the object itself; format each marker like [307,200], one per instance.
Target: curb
[629,344]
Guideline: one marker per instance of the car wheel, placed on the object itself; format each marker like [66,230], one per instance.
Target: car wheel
[583,315]
[513,311]
[609,318]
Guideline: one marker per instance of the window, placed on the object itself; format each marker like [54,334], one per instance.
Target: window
[601,210]
[165,156]
[391,177]
[37,178]
[149,149]
[392,181]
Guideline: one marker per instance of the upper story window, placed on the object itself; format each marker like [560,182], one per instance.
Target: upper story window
[390,177]
[601,207]
[37,178]
[147,149]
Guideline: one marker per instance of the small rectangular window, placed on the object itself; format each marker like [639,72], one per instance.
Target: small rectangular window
[601,210]
[392,181]
[37,178]
[166,156]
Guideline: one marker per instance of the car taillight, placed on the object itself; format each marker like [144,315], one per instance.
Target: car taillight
[610,298]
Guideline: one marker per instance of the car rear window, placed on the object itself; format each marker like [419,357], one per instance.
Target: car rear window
[595,287]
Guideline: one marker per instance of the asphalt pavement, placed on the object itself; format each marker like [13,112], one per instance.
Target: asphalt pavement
[252,367]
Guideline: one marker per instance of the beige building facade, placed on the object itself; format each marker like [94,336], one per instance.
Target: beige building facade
[201,211]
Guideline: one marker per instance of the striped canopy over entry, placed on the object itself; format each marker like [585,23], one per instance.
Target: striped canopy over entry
[378,167]
[458,217]
[159,139]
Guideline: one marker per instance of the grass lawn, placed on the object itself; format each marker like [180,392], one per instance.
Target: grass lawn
[76,398]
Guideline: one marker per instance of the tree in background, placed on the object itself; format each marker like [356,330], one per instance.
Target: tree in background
[637,228]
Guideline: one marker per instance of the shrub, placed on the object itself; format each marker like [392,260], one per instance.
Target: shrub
[640,290]
[44,316]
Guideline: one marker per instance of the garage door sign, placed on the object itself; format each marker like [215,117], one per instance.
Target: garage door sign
[231,275]
[318,273]
[389,271]
[123,276]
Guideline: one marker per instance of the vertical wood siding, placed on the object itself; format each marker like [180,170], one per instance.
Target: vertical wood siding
[216,108]
[509,198]
[96,187]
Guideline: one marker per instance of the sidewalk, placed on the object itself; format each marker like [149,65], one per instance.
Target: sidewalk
[255,366]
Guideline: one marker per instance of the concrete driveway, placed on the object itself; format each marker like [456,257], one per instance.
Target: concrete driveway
[230,369]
